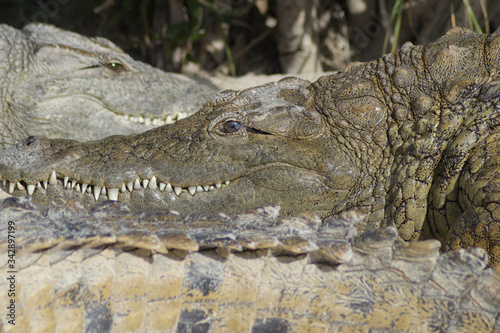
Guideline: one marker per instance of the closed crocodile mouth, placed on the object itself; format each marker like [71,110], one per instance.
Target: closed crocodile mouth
[112,193]
[170,119]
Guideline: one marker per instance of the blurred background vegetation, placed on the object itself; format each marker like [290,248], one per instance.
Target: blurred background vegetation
[234,37]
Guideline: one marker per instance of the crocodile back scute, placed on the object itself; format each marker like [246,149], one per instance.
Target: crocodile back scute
[254,272]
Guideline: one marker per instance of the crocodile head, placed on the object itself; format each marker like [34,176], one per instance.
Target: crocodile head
[265,145]
[57,83]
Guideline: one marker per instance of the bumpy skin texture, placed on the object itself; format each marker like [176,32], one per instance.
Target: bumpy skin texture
[255,272]
[410,139]
[60,84]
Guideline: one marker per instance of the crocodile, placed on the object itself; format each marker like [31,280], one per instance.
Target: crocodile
[409,139]
[60,84]
[257,271]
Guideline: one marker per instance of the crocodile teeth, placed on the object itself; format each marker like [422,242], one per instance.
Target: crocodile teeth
[97,192]
[113,194]
[177,190]
[153,184]
[192,190]
[53,178]
[31,189]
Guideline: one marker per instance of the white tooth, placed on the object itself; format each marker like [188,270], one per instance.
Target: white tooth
[177,190]
[206,188]
[53,178]
[113,194]
[134,119]
[97,192]
[140,120]
[84,188]
[212,188]
[73,183]
[45,184]
[103,190]
[12,185]
[169,188]
[169,119]
[153,184]
[4,182]
[137,184]
[156,122]
[145,183]
[192,190]
[77,188]
[147,121]
[39,186]
[162,186]
[181,115]
[31,189]
[126,116]
[218,185]
[130,186]
[68,186]
[227,182]
[123,188]
[20,186]
[89,190]
[65,181]
[199,189]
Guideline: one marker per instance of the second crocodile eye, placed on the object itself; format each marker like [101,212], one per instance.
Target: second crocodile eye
[231,126]
[116,66]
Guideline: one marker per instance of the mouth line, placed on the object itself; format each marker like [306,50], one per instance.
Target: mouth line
[141,120]
[170,119]
[112,193]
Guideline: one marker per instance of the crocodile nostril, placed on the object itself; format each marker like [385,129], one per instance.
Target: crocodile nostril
[30,140]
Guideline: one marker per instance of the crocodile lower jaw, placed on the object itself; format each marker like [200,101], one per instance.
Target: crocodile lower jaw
[96,191]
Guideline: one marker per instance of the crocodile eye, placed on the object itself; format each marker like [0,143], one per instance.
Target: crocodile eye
[231,126]
[115,66]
